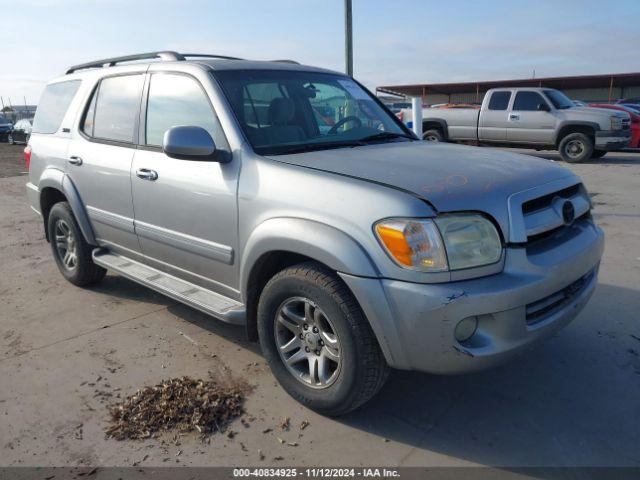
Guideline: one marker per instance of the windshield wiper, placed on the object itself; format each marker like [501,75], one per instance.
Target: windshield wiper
[385,136]
[310,147]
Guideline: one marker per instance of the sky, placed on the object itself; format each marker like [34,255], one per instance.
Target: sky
[395,42]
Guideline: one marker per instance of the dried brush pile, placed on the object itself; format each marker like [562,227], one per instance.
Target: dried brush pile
[183,404]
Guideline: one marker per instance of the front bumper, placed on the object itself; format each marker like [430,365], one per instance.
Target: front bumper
[415,323]
[612,139]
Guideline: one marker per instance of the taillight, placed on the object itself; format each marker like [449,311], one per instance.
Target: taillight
[27,156]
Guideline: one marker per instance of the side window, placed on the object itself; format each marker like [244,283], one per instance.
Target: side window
[527,101]
[53,105]
[177,100]
[115,108]
[499,100]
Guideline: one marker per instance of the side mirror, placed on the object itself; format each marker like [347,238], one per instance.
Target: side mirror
[189,143]
[543,107]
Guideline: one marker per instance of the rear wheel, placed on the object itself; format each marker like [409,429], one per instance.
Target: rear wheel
[317,341]
[575,148]
[433,135]
[70,250]
[598,153]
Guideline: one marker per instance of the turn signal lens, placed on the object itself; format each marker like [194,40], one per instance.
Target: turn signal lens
[414,244]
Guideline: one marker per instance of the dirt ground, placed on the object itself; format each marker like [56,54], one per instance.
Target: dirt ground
[66,353]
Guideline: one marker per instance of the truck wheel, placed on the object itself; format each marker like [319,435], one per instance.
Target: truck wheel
[70,250]
[598,153]
[433,136]
[317,341]
[575,148]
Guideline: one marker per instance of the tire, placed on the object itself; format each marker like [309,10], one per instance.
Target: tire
[575,148]
[10,139]
[598,153]
[78,268]
[433,135]
[360,370]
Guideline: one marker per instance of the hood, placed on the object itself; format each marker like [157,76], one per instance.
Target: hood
[595,111]
[450,177]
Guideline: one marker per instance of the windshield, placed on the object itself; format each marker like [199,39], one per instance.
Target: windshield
[559,99]
[290,111]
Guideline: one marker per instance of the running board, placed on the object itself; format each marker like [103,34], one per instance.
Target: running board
[212,303]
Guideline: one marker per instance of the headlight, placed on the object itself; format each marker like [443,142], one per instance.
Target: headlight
[450,242]
[616,123]
[414,244]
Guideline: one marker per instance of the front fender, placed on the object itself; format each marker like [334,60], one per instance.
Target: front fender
[316,240]
[57,179]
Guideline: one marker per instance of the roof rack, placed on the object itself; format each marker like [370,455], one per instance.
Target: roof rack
[166,56]
[285,61]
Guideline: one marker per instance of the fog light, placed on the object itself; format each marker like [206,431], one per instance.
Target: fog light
[466,328]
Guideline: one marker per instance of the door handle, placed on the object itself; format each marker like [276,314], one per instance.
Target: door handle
[147,174]
[75,160]
[514,116]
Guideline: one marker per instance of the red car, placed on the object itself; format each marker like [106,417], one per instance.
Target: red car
[635,121]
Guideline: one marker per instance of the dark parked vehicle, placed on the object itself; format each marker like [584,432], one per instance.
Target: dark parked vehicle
[20,132]
[5,127]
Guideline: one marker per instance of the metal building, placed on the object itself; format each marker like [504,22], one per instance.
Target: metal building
[588,88]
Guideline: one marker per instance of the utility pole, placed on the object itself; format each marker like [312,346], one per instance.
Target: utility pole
[348,38]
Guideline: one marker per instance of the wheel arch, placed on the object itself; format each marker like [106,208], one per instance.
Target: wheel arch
[55,186]
[435,123]
[588,128]
[279,243]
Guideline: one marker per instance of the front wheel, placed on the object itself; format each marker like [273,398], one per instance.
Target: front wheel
[70,250]
[575,148]
[317,341]
[11,140]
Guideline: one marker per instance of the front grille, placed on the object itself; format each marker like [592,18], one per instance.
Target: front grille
[547,306]
[545,216]
[545,201]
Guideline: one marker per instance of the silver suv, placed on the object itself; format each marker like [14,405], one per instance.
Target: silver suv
[288,199]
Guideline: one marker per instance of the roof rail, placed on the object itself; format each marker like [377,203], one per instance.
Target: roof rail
[166,56]
[285,61]
[206,55]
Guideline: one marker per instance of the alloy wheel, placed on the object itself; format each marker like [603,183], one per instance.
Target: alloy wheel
[307,342]
[574,148]
[65,244]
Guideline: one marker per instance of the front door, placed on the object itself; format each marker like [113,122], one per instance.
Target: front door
[530,120]
[185,210]
[100,158]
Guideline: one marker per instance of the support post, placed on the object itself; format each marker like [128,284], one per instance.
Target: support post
[348,38]
[416,109]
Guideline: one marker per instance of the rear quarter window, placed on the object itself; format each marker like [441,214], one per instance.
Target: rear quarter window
[53,105]
[499,100]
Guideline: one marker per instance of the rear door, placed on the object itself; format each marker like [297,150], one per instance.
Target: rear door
[186,212]
[100,157]
[528,123]
[492,125]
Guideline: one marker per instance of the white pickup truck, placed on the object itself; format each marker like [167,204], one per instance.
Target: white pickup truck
[540,118]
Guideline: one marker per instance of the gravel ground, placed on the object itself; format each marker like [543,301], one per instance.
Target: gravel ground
[11,160]
[66,353]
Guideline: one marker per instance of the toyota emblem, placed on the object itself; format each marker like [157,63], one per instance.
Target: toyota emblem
[568,212]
